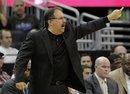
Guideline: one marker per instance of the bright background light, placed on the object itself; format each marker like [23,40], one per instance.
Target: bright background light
[87,3]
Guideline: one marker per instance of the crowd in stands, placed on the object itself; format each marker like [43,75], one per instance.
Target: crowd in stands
[111,74]
[19,23]
[9,52]
[13,31]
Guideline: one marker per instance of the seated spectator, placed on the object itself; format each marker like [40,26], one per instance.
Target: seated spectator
[119,50]
[22,22]
[3,75]
[87,71]
[122,75]
[98,82]
[9,52]
[115,61]
[10,87]
[86,60]
[28,71]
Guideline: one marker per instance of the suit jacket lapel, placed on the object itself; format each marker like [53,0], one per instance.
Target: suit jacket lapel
[45,38]
[97,85]
[109,87]
[122,79]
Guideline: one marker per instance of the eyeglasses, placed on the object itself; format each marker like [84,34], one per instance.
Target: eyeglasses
[60,18]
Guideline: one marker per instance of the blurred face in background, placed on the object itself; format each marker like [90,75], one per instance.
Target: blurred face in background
[121,51]
[117,63]
[87,72]
[86,60]
[18,8]
[6,40]
[27,72]
[126,65]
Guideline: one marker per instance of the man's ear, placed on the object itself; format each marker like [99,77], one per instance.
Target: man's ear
[49,23]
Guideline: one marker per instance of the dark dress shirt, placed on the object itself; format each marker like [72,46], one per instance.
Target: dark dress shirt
[61,60]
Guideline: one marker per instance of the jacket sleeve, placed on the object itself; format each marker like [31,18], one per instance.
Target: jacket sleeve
[88,86]
[23,57]
[91,26]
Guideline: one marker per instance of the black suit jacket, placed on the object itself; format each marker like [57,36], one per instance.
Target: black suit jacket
[93,87]
[37,47]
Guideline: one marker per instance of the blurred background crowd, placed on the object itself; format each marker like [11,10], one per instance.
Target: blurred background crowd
[113,42]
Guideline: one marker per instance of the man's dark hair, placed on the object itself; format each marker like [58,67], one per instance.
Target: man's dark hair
[85,54]
[49,14]
[127,58]
[1,32]
[112,58]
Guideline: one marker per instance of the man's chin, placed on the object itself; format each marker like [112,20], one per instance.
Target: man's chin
[62,31]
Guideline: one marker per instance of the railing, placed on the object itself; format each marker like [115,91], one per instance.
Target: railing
[120,36]
[87,42]
[84,14]
[105,38]
[74,19]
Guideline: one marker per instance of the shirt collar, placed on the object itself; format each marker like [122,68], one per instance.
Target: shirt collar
[99,78]
[126,76]
[52,36]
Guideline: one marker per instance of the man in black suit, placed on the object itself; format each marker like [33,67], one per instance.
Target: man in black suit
[99,83]
[54,55]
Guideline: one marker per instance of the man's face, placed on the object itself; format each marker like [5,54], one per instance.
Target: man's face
[121,51]
[103,69]
[87,72]
[18,8]
[57,23]
[126,67]
[27,72]
[117,63]
[6,39]
[86,60]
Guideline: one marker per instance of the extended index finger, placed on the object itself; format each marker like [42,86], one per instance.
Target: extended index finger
[121,8]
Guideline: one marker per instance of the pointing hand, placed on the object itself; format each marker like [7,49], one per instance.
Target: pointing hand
[115,14]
